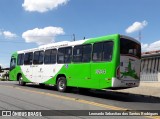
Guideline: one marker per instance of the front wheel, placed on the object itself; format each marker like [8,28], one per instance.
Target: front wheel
[61,84]
[21,82]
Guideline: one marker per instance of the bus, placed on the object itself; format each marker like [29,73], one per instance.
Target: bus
[106,62]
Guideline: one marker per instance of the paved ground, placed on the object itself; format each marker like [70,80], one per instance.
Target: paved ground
[34,97]
[151,89]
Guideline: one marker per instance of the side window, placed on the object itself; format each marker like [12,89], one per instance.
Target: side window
[107,51]
[97,52]
[86,53]
[50,56]
[47,57]
[38,57]
[68,54]
[77,54]
[102,51]
[41,57]
[20,59]
[53,56]
[28,58]
[60,57]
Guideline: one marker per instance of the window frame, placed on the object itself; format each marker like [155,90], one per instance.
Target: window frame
[102,51]
[73,59]
[58,55]
[50,56]
[66,55]
[90,58]
[21,60]
[31,60]
[11,63]
[45,61]
[38,60]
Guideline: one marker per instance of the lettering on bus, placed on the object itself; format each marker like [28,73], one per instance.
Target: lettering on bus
[100,71]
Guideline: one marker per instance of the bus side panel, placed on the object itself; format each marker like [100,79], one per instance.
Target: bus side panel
[101,74]
[67,70]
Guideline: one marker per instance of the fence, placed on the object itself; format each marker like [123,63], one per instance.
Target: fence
[151,77]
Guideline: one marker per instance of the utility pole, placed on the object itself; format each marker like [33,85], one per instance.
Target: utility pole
[74,37]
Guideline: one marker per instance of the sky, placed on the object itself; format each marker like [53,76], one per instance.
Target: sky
[26,24]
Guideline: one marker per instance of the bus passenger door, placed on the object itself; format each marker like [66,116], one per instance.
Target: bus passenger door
[27,70]
[37,73]
[27,67]
[12,72]
[38,66]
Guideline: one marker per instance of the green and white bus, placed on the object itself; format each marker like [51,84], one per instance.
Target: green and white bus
[107,62]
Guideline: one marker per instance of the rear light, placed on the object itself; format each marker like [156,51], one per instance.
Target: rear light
[118,72]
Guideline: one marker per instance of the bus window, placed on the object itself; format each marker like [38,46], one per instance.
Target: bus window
[97,52]
[50,56]
[20,59]
[107,51]
[38,57]
[77,54]
[128,47]
[53,56]
[60,57]
[86,53]
[47,57]
[12,63]
[68,54]
[28,58]
[41,57]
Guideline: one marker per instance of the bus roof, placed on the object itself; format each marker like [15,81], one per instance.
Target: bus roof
[130,38]
[72,43]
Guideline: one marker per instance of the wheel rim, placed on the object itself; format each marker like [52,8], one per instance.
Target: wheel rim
[61,85]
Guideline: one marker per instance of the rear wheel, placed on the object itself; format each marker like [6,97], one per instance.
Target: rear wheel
[61,84]
[21,82]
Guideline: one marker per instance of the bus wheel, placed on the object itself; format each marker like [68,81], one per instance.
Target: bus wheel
[61,84]
[21,82]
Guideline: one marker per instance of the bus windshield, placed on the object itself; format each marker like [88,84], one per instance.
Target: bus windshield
[130,48]
[12,63]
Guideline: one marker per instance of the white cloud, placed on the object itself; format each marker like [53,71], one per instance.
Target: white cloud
[136,26]
[42,5]
[42,36]
[151,47]
[8,34]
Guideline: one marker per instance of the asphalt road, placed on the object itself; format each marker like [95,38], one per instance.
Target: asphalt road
[34,97]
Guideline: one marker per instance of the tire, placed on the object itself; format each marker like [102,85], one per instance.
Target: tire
[21,82]
[62,84]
